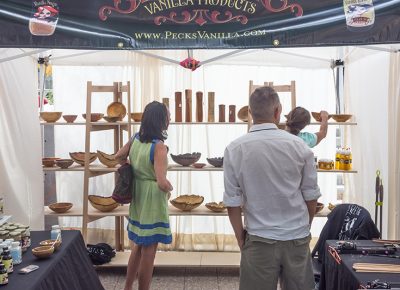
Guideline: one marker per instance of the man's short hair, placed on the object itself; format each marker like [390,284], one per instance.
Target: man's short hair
[263,102]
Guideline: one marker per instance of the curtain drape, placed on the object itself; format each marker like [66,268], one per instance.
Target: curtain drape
[151,80]
[394,141]
[366,97]
[21,177]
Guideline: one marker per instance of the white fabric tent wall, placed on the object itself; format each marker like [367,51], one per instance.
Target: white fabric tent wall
[21,176]
[366,96]
[394,141]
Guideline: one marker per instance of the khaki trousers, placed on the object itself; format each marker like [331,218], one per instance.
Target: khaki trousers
[263,261]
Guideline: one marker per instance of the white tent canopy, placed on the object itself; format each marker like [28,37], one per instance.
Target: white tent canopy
[368,68]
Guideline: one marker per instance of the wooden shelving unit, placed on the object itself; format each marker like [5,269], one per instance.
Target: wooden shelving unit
[89,214]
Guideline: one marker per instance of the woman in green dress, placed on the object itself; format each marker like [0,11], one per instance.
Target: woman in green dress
[148,211]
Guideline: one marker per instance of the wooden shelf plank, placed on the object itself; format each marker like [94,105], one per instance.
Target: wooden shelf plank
[171,167]
[337,171]
[182,259]
[175,167]
[76,167]
[182,123]
[200,211]
[74,211]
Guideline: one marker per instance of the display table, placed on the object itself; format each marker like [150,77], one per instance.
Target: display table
[342,276]
[68,268]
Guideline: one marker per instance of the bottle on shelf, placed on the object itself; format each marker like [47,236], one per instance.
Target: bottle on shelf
[3,275]
[7,260]
[348,159]
[337,159]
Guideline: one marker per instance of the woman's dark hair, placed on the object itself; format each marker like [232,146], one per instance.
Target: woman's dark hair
[297,119]
[155,120]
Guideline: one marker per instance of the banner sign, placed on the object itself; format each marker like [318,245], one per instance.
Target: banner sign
[174,24]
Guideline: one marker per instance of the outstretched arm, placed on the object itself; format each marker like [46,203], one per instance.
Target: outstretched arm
[323,129]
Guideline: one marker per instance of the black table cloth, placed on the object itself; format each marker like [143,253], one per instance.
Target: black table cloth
[342,276]
[69,268]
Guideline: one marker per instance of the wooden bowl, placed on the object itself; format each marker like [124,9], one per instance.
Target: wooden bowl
[216,207]
[187,202]
[50,117]
[186,159]
[79,157]
[94,117]
[199,165]
[341,117]
[101,203]
[243,114]
[60,207]
[117,110]
[70,118]
[216,162]
[317,116]
[107,159]
[64,163]
[57,244]
[137,117]
[111,119]
[320,206]
[43,252]
[48,161]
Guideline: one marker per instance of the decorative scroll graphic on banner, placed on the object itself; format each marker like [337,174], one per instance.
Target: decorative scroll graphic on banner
[199,16]
[193,24]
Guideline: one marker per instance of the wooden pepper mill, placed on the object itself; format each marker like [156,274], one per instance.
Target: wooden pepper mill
[232,113]
[199,107]
[211,104]
[221,113]
[188,111]
[178,107]
[166,102]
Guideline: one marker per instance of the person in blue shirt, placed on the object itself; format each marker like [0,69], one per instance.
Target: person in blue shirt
[299,118]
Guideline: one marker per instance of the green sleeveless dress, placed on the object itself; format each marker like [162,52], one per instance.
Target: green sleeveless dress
[148,211]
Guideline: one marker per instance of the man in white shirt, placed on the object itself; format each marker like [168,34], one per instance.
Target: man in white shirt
[270,175]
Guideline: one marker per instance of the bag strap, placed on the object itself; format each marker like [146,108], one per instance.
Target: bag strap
[153,149]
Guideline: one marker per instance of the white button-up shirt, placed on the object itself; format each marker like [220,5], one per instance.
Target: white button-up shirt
[270,174]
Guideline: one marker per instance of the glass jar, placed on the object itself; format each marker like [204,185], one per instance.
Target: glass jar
[55,232]
[325,164]
[3,275]
[16,253]
[7,260]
